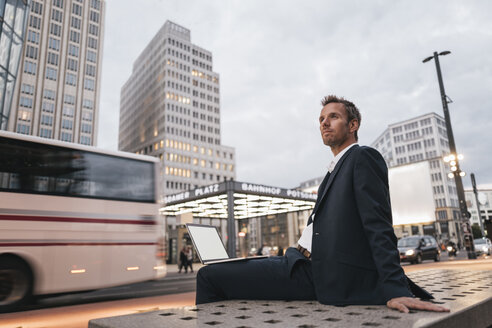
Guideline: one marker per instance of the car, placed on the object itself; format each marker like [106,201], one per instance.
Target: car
[417,248]
[483,246]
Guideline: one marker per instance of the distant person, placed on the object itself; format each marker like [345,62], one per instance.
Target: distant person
[348,253]
[260,250]
[183,260]
[280,251]
[189,258]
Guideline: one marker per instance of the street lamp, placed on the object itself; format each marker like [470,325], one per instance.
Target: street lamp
[465,215]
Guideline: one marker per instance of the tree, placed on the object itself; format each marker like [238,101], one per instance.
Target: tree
[477,233]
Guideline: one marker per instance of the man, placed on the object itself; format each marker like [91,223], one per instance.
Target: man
[347,254]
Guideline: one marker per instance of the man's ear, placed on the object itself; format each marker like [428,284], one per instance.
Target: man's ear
[354,125]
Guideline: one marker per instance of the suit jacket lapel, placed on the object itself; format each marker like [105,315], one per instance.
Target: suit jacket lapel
[331,177]
[320,191]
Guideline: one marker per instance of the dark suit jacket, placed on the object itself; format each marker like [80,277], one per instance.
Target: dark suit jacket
[355,259]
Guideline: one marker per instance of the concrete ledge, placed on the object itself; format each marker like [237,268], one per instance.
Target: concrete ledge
[467,293]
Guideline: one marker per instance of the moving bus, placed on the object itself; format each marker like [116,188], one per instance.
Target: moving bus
[75,218]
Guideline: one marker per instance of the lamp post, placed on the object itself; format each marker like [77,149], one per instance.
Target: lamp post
[465,215]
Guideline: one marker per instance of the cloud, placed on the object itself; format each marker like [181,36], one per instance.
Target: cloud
[277,59]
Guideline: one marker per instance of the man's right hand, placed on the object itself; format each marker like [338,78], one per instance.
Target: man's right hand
[404,304]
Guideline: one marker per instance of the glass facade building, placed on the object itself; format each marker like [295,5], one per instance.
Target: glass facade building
[13,19]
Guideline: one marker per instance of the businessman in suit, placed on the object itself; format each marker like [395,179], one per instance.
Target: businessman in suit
[347,254]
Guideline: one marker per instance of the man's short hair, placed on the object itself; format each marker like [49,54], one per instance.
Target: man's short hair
[352,110]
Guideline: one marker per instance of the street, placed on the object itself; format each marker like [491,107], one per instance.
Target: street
[176,290]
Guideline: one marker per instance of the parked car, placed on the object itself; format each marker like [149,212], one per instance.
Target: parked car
[483,246]
[415,249]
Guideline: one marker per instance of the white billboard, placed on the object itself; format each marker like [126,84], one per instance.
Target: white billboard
[412,200]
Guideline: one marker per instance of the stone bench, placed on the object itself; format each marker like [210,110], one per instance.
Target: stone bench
[467,293]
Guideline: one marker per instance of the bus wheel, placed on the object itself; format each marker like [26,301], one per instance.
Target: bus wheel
[16,283]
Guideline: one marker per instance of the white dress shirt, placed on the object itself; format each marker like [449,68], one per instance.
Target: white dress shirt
[307,234]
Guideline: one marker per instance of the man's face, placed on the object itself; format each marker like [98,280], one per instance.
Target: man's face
[334,126]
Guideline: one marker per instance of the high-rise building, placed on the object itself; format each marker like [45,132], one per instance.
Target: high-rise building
[170,108]
[57,90]
[13,18]
[424,138]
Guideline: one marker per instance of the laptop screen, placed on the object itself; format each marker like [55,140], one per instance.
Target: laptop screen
[207,242]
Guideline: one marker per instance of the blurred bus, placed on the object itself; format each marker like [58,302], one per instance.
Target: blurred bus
[75,218]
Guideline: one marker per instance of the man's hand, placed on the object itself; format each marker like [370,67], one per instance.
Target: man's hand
[404,304]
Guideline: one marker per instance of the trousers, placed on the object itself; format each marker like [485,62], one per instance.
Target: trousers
[273,278]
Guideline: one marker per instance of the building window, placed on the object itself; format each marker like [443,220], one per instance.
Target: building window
[34,22]
[94,16]
[33,37]
[51,73]
[45,133]
[69,99]
[37,7]
[72,64]
[49,94]
[87,103]
[23,129]
[68,111]
[73,50]
[48,107]
[71,79]
[29,67]
[75,23]
[47,120]
[91,56]
[86,128]
[65,136]
[92,43]
[55,29]
[27,89]
[54,44]
[58,3]
[93,29]
[76,9]
[67,124]
[90,70]
[87,116]
[31,52]
[96,4]
[56,15]
[89,84]
[74,36]
[85,140]
[25,102]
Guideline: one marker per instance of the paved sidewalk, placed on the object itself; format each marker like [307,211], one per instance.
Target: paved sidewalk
[173,268]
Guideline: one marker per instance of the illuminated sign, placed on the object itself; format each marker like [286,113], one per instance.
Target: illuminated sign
[238,187]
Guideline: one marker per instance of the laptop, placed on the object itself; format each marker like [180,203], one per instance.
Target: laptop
[209,247]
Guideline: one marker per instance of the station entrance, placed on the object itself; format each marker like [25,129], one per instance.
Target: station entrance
[248,216]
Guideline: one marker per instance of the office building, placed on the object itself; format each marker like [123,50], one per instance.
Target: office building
[424,139]
[170,108]
[13,18]
[57,90]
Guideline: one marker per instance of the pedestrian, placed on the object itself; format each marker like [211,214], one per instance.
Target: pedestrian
[260,250]
[280,251]
[189,258]
[348,252]
[183,260]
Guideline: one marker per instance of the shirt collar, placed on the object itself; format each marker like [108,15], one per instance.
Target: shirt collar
[339,155]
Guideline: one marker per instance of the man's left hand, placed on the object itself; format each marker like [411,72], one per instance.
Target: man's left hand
[404,304]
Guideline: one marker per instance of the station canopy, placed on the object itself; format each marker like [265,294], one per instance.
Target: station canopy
[250,200]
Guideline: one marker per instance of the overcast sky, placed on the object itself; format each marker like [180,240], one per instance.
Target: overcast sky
[277,59]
